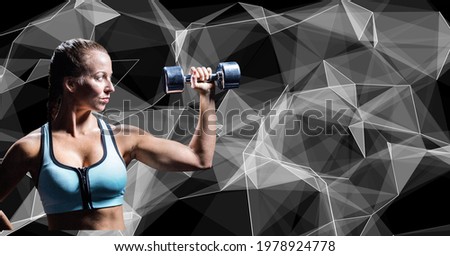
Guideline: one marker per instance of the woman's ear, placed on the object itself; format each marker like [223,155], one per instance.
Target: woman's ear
[70,84]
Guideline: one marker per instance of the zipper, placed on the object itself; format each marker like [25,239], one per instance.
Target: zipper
[85,188]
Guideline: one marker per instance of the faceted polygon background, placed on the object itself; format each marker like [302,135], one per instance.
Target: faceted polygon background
[339,126]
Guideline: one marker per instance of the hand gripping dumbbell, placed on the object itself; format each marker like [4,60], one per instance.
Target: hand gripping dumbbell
[227,76]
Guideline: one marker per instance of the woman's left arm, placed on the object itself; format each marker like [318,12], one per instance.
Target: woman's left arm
[203,142]
[163,154]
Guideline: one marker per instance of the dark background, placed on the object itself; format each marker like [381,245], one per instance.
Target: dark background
[19,12]
[406,213]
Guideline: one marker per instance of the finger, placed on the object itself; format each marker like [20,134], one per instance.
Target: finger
[194,75]
[201,74]
[205,73]
[193,71]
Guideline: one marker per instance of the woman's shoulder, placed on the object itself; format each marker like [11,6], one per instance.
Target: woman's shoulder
[28,145]
[24,152]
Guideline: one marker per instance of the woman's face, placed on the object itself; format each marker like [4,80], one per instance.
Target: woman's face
[96,86]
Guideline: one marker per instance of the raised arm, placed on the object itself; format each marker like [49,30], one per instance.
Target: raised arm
[166,154]
[203,142]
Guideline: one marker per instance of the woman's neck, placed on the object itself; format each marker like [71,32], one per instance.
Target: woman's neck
[74,121]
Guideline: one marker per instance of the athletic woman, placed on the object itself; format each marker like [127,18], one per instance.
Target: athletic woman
[78,161]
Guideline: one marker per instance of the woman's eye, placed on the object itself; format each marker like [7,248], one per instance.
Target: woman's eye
[102,77]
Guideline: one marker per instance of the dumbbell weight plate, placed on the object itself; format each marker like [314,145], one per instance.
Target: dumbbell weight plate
[174,79]
[231,75]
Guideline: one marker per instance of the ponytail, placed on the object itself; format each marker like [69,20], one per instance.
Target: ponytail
[54,101]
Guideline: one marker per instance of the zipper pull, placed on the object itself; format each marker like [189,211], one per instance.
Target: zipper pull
[83,175]
[82,170]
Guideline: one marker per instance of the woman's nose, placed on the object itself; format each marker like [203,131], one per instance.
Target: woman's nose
[110,87]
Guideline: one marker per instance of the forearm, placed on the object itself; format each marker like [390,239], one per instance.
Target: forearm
[4,222]
[203,142]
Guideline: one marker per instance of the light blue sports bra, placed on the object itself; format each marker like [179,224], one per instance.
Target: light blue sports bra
[64,188]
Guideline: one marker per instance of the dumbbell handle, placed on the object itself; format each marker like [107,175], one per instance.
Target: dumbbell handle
[214,77]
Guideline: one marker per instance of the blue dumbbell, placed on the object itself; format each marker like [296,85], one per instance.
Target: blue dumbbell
[227,76]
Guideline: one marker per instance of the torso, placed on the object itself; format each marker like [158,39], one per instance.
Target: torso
[99,219]
[80,151]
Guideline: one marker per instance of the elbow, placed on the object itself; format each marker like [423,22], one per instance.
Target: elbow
[204,161]
[200,166]
[206,166]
